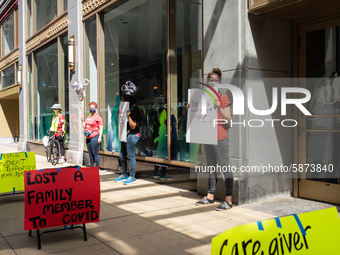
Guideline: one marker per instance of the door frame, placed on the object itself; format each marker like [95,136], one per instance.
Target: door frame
[322,191]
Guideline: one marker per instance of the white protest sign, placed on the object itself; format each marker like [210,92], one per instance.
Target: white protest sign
[201,116]
[122,128]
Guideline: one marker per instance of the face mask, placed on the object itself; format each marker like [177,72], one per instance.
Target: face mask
[92,110]
[55,112]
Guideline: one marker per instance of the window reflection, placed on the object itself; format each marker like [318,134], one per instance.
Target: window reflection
[7,36]
[46,87]
[185,64]
[8,76]
[46,11]
[135,49]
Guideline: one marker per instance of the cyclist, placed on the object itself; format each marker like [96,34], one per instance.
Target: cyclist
[58,125]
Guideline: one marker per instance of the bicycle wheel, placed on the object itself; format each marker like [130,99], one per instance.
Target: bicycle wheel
[55,149]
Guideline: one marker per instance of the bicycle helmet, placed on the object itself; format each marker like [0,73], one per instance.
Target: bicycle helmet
[56,106]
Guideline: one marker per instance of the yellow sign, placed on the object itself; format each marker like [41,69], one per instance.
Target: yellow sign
[307,233]
[12,167]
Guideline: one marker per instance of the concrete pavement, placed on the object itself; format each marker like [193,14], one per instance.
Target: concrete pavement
[143,218]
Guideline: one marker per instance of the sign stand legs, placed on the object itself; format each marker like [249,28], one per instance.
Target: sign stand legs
[84,230]
[55,230]
[39,239]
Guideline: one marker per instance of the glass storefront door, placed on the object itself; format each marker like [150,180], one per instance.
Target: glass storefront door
[156,44]
[319,134]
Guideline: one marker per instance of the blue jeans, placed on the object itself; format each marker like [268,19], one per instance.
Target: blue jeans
[128,149]
[93,148]
[219,154]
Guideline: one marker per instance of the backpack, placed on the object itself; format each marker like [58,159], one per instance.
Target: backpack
[142,127]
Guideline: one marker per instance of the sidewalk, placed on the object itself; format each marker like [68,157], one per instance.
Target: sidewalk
[143,218]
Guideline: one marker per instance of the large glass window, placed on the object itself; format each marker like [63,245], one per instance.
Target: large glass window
[46,11]
[7,35]
[46,87]
[41,12]
[48,84]
[132,46]
[63,67]
[28,18]
[8,76]
[90,61]
[29,97]
[185,52]
[65,5]
[135,50]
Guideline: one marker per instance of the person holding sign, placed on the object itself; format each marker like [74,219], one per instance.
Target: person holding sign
[93,130]
[58,126]
[128,148]
[220,152]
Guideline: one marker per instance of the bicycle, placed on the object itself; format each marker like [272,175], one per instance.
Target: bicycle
[53,148]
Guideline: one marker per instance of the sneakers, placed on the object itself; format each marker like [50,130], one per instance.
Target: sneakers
[156,176]
[121,178]
[166,177]
[205,201]
[224,206]
[130,180]
[126,180]
[60,161]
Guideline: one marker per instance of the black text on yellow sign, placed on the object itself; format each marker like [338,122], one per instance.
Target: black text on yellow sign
[307,233]
[12,167]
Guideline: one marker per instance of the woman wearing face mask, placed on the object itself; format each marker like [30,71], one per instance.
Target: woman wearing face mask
[58,125]
[219,153]
[128,148]
[93,129]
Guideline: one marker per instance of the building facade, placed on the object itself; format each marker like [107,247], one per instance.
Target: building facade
[161,46]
